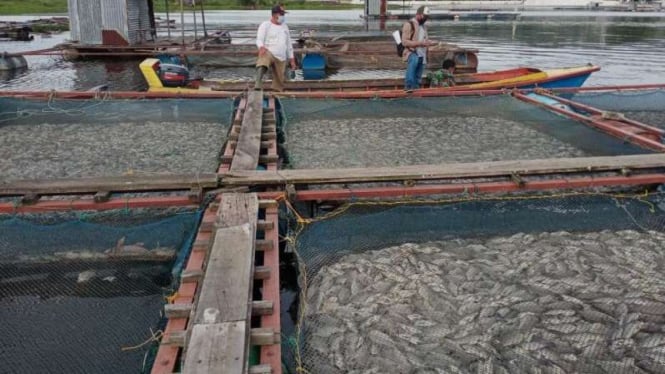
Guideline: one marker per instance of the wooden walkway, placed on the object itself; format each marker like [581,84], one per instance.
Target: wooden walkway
[210,322]
[445,171]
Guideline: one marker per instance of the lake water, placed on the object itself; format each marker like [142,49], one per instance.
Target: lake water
[629,47]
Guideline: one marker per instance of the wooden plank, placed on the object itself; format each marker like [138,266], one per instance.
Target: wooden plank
[237,209]
[264,336]
[260,369]
[227,285]
[444,171]
[268,203]
[263,225]
[175,338]
[214,348]
[191,276]
[261,272]
[177,310]
[263,245]
[262,307]
[117,183]
[246,156]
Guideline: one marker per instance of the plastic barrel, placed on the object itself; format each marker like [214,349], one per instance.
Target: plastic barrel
[313,61]
[8,63]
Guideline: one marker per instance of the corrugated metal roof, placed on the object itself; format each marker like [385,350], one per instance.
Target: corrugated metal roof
[114,16]
[131,18]
[87,18]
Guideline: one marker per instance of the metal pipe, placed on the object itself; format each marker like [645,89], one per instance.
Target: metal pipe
[195,26]
[203,20]
[168,19]
[182,20]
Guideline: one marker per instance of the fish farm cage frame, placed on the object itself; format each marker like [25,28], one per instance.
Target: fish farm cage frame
[236,248]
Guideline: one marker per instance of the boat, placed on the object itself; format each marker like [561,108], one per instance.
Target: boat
[379,53]
[174,78]
[219,51]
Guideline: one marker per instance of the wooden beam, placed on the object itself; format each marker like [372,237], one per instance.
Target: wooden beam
[263,336]
[260,369]
[237,209]
[263,225]
[119,183]
[268,203]
[214,348]
[264,245]
[227,284]
[191,276]
[262,307]
[444,171]
[261,272]
[246,156]
[175,338]
[177,310]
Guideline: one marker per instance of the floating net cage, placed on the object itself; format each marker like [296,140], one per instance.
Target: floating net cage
[84,292]
[517,282]
[329,133]
[647,106]
[560,282]
[59,138]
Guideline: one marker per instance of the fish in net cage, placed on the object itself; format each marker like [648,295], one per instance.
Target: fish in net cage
[85,292]
[566,283]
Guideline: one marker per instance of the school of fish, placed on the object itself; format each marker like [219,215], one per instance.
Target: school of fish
[551,302]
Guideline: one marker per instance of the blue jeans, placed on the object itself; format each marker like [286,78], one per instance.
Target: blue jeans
[414,71]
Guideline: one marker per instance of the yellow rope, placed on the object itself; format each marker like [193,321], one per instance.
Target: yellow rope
[171,298]
[155,337]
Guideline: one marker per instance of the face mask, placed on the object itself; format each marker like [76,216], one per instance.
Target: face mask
[281,19]
[422,20]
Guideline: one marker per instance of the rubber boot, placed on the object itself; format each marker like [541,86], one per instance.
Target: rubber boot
[258,79]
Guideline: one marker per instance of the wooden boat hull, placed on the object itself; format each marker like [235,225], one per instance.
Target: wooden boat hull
[501,79]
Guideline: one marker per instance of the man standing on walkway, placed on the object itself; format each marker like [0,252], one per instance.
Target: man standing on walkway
[275,46]
[415,41]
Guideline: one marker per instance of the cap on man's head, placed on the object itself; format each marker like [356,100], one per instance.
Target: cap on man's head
[278,9]
[423,10]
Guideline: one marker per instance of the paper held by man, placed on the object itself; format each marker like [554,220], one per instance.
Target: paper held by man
[397,37]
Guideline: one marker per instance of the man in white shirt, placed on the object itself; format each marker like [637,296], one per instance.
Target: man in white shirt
[275,46]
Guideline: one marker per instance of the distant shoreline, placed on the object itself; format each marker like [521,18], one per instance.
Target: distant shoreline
[59,7]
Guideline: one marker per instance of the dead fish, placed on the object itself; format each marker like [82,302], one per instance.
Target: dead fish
[85,276]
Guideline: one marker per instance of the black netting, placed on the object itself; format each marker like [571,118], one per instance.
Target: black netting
[82,295]
[513,284]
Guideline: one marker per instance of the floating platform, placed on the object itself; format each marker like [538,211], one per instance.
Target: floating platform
[456,16]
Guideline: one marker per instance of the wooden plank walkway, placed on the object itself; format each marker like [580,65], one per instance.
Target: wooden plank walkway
[246,156]
[219,333]
[129,183]
[220,336]
[444,171]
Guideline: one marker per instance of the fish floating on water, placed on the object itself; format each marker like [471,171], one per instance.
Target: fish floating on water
[555,302]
